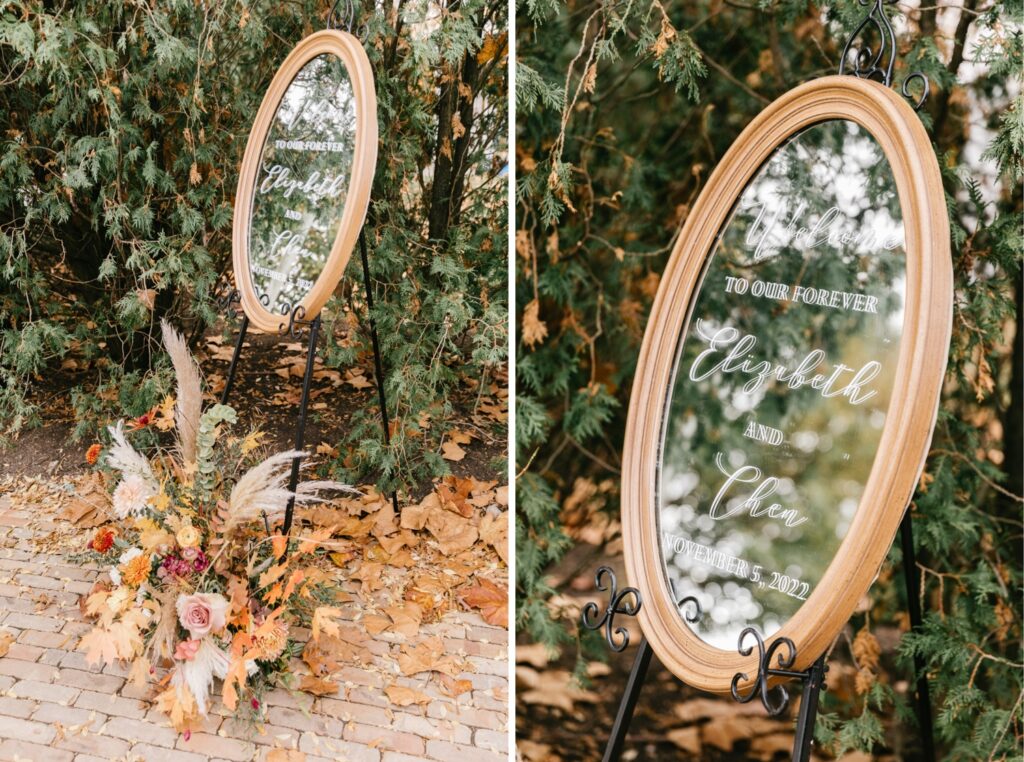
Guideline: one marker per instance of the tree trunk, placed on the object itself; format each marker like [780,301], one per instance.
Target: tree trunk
[450,153]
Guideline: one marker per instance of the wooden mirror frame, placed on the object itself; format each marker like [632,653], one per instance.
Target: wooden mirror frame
[912,410]
[364,161]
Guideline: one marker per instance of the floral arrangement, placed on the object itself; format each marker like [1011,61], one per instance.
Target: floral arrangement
[199,584]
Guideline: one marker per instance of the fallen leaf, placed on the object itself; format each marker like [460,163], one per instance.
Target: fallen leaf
[428,656]
[490,599]
[400,695]
[318,686]
[535,654]
[406,618]
[394,543]
[330,653]
[6,638]
[687,739]
[454,494]
[415,516]
[323,621]
[453,533]
[459,437]
[375,624]
[326,449]
[552,687]
[340,559]
[451,451]
[279,544]
[494,531]
[453,687]
[371,575]
[356,380]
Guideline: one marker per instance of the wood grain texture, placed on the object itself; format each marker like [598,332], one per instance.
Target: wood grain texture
[364,161]
[912,409]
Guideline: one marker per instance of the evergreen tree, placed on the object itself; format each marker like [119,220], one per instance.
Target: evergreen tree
[624,109]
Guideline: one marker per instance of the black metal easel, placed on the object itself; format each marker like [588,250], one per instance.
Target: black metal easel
[296,327]
[865,64]
[628,602]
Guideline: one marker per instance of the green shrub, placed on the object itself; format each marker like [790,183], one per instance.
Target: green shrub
[122,126]
[624,110]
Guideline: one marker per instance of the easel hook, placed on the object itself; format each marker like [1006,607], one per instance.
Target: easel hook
[335,20]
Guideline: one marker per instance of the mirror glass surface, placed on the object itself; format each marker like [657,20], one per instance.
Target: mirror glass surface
[302,183]
[781,382]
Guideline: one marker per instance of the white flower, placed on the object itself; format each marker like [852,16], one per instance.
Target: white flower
[125,458]
[131,496]
[128,555]
[115,576]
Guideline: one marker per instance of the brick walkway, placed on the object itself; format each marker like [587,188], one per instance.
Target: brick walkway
[55,708]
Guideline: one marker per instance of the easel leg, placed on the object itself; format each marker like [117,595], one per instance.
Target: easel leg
[378,366]
[625,714]
[300,432]
[808,711]
[230,382]
[923,699]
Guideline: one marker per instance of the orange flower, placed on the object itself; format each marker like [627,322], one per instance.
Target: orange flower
[135,571]
[103,540]
[143,420]
[93,454]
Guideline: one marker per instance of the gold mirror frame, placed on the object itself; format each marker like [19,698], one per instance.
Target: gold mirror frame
[353,57]
[909,422]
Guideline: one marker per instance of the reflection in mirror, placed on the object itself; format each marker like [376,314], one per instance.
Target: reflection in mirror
[782,382]
[302,183]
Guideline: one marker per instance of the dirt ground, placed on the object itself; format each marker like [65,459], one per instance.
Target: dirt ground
[264,394]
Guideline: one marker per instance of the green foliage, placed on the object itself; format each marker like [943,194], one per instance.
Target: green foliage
[122,127]
[209,428]
[623,114]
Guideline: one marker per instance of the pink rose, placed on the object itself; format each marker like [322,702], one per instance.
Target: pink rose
[202,613]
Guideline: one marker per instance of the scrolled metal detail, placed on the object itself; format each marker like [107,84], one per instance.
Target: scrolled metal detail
[335,20]
[226,301]
[926,89]
[696,612]
[231,301]
[877,65]
[869,64]
[626,601]
[765,655]
[297,324]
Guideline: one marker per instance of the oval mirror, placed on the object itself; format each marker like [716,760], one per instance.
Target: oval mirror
[785,398]
[305,180]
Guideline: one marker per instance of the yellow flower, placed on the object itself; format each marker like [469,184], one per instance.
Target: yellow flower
[188,536]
